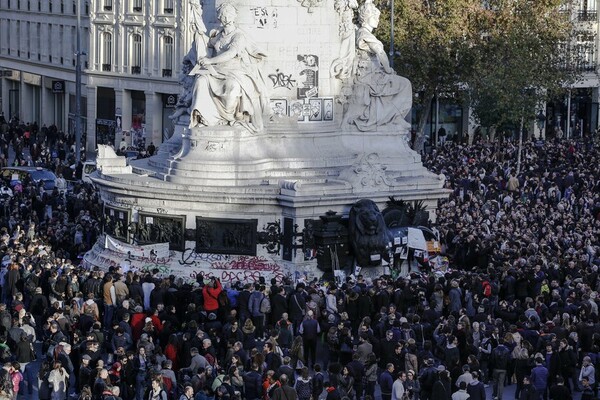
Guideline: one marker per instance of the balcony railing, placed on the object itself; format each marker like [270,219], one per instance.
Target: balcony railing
[136,70]
[106,67]
[167,73]
[590,67]
[587,15]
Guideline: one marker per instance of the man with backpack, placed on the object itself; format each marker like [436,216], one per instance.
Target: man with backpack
[499,362]
[254,305]
[427,379]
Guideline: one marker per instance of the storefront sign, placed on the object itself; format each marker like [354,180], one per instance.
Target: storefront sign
[170,100]
[58,86]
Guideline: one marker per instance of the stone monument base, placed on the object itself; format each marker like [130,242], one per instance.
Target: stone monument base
[281,177]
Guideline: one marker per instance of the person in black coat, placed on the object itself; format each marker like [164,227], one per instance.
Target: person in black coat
[278,305]
[528,392]
[253,384]
[442,388]
[559,391]
[297,307]
[243,300]
[38,307]
[85,373]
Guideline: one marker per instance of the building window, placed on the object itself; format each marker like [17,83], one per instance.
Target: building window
[585,53]
[167,71]
[137,5]
[587,10]
[106,51]
[168,8]
[50,6]
[136,54]
[62,7]
[108,4]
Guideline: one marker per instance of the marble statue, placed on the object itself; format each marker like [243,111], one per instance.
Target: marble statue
[379,97]
[229,88]
[200,42]
[198,49]
[187,86]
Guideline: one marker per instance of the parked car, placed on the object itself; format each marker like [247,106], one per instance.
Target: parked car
[36,174]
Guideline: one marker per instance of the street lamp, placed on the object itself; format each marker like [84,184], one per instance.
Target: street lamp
[392,34]
[78,55]
[541,121]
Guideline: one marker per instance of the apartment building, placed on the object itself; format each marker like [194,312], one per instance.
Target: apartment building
[133,50]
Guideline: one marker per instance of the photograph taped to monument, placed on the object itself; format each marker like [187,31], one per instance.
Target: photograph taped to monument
[161,228]
[297,110]
[279,107]
[116,222]
[226,236]
[316,110]
[328,109]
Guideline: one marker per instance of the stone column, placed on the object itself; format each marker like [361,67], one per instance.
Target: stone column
[123,101]
[153,118]
[25,101]
[4,96]
[47,109]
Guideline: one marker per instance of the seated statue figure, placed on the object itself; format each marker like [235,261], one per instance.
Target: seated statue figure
[379,96]
[229,87]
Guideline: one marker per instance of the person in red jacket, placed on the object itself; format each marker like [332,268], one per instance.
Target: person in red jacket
[210,293]
[137,322]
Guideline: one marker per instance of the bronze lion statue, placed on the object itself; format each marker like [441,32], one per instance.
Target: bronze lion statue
[368,234]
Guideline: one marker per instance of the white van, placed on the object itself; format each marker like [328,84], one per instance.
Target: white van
[88,168]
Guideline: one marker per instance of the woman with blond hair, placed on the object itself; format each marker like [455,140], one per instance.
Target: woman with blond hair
[523,365]
[249,332]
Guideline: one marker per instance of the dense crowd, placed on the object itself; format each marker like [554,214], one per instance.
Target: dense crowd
[519,304]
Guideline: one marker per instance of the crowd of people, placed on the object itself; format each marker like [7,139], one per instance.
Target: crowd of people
[519,303]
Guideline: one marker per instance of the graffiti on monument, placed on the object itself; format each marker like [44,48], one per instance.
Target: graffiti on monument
[242,269]
[161,228]
[226,236]
[116,222]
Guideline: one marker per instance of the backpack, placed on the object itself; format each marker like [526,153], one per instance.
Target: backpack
[30,285]
[6,384]
[168,385]
[487,289]
[304,389]
[411,362]
[210,359]
[265,305]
